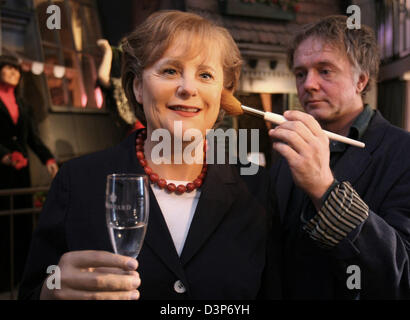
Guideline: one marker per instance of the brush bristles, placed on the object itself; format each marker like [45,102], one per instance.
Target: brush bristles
[230,104]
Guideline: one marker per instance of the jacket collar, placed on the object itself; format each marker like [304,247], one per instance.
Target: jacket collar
[354,161]
[5,111]
[283,186]
[215,200]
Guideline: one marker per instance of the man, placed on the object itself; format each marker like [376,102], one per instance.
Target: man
[345,212]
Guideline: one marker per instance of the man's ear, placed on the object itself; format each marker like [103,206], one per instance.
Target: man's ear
[137,88]
[362,82]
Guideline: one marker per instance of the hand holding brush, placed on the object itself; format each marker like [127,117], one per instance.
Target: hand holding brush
[301,141]
[232,106]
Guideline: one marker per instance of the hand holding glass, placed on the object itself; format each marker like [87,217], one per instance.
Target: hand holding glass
[127,210]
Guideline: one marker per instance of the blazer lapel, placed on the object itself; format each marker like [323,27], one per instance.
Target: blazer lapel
[352,164]
[284,188]
[355,160]
[160,241]
[5,112]
[215,200]
[157,237]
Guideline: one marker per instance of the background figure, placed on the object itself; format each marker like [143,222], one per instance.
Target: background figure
[345,211]
[17,132]
[109,80]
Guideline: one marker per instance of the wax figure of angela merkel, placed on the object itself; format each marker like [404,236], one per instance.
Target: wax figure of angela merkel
[207,235]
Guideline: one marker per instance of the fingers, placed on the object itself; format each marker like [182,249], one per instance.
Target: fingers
[293,133]
[306,119]
[113,271]
[52,169]
[301,132]
[287,152]
[102,42]
[99,281]
[94,259]
[97,275]
[72,294]
[6,160]
[104,45]
[55,170]
[305,146]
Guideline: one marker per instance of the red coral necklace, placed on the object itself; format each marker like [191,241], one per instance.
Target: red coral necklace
[162,183]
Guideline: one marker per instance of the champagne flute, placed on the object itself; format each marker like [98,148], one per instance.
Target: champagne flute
[127,210]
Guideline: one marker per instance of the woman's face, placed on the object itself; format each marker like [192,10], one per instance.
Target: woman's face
[182,87]
[10,75]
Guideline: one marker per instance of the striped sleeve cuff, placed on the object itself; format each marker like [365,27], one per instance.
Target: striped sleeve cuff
[342,212]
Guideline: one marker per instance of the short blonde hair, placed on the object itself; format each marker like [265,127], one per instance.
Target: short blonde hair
[148,42]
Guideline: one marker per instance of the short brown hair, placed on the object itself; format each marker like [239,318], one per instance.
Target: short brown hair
[148,42]
[359,45]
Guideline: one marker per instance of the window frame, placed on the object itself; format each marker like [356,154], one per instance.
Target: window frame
[71,108]
[392,14]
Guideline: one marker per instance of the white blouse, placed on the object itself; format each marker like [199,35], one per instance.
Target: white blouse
[178,211]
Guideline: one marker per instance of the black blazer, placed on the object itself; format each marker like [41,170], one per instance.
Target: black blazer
[16,137]
[380,173]
[225,251]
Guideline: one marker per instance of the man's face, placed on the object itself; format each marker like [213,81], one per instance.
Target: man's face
[325,81]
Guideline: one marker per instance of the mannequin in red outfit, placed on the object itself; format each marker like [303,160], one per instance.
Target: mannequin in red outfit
[17,133]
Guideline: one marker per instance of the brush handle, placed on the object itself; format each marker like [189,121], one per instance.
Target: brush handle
[278,119]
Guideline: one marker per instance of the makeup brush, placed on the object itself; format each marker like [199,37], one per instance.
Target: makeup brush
[233,107]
